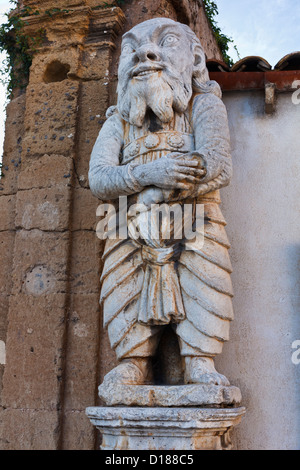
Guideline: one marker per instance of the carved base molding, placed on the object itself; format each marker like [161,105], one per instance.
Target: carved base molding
[165,428]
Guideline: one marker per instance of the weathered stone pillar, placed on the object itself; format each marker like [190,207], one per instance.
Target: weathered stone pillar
[53,320]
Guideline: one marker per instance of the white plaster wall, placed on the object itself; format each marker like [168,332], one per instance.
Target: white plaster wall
[262,210]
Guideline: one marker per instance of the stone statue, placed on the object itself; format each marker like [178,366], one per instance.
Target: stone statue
[166,141]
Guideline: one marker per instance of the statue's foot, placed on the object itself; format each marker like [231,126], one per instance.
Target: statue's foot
[135,371]
[201,370]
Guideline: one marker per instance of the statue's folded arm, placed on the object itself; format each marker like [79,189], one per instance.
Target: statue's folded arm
[109,180]
[212,141]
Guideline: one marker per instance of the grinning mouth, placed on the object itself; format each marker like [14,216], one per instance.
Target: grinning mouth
[144,72]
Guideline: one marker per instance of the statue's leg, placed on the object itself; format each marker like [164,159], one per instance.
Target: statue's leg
[134,353]
[204,270]
[134,344]
[199,365]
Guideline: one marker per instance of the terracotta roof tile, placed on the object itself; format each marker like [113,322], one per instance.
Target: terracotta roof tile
[215,65]
[251,64]
[289,62]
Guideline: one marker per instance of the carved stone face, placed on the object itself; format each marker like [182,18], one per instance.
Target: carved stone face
[156,45]
[155,71]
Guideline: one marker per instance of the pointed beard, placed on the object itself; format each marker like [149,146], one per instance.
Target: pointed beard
[162,92]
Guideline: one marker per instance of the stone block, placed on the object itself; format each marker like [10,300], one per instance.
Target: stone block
[29,429]
[43,209]
[40,263]
[4,306]
[46,172]
[86,262]
[9,173]
[6,256]
[55,66]
[34,369]
[84,210]
[97,3]
[68,26]
[12,152]
[92,117]
[108,358]
[51,111]
[7,211]
[95,64]
[14,124]
[1,380]
[79,433]
[46,4]
[82,352]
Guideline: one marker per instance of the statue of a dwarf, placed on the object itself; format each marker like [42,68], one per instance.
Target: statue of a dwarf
[166,142]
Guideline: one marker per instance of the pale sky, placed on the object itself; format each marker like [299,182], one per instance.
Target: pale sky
[267,28]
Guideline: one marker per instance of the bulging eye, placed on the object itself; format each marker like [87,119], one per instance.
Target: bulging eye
[169,40]
[127,49]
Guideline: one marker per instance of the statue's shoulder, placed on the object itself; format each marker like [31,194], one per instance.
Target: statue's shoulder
[113,116]
[206,101]
[206,98]
[112,111]
[113,126]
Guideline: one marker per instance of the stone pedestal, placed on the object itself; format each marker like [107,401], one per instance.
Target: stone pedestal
[169,396]
[149,417]
[165,428]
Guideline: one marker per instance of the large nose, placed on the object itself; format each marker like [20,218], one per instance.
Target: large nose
[147,52]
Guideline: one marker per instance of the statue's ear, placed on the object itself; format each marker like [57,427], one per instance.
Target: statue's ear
[199,58]
[200,71]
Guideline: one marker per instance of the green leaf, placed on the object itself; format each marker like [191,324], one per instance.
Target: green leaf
[223,41]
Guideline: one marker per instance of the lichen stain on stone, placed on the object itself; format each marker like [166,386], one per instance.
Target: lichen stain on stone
[39,281]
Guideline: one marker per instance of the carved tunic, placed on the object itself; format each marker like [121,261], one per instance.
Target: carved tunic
[150,282]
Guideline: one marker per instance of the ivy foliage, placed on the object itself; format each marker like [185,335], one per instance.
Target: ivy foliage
[18,47]
[211,9]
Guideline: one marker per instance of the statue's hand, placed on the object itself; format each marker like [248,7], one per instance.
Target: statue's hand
[173,171]
[150,195]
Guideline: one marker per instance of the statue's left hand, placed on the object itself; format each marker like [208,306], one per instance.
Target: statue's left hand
[191,188]
[193,157]
[169,172]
